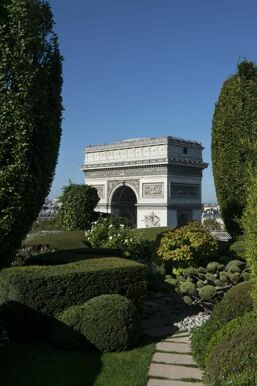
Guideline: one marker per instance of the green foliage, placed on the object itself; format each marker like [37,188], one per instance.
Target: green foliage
[108,322]
[236,302]
[238,249]
[30,117]
[45,225]
[250,228]
[77,210]
[48,290]
[232,350]
[207,286]
[214,267]
[113,233]
[235,266]
[58,240]
[207,292]
[188,245]
[234,131]
[212,224]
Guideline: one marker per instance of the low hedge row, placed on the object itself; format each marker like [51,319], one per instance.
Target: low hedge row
[45,291]
[67,256]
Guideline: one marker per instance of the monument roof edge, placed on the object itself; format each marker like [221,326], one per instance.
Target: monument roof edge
[136,142]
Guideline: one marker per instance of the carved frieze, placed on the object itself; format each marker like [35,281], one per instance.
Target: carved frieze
[126,172]
[153,190]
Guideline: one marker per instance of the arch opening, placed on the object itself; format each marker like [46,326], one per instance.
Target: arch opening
[124,202]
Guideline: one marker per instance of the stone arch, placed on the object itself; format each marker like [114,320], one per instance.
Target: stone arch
[123,202]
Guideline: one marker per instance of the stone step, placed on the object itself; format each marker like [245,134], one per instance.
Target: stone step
[173,347]
[180,335]
[174,372]
[182,339]
[179,359]
[168,382]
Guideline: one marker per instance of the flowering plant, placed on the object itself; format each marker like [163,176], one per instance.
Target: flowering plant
[108,233]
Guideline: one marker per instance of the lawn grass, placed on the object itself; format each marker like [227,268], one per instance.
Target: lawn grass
[152,234]
[41,364]
[58,239]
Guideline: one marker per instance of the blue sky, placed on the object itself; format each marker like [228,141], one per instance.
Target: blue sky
[146,68]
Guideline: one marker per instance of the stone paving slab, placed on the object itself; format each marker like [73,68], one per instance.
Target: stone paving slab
[182,339]
[180,335]
[168,382]
[173,347]
[174,372]
[179,359]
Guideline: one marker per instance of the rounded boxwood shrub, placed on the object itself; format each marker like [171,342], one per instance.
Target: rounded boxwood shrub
[236,302]
[108,322]
[232,350]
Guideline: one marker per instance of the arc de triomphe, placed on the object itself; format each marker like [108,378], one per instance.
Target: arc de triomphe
[152,181]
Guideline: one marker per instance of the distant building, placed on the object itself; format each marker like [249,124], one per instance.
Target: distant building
[212,211]
[49,209]
[152,181]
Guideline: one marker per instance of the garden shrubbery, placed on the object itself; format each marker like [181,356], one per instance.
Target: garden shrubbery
[107,322]
[77,210]
[205,286]
[190,245]
[114,232]
[236,302]
[232,350]
[49,290]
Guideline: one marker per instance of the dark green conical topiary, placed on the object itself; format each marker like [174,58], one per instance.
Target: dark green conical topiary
[234,131]
[30,116]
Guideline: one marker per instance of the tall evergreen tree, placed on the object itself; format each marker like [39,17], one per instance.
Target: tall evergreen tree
[234,127]
[30,116]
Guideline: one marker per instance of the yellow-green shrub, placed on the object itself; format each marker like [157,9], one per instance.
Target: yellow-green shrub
[190,245]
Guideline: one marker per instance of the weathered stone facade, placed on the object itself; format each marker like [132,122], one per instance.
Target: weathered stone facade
[154,181]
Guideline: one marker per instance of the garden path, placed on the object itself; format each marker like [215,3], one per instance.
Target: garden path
[172,363]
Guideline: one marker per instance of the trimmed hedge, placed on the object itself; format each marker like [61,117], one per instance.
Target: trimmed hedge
[250,228]
[49,290]
[67,256]
[108,322]
[232,350]
[234,133]
[236,302]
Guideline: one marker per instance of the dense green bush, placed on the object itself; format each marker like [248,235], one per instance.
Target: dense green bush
[250,228]
[234,128]
[114,233]
[205,286]
[30,116]
[188,245]
[48,290]
[108,322]
[236,302]
[232,350]
[77,210]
